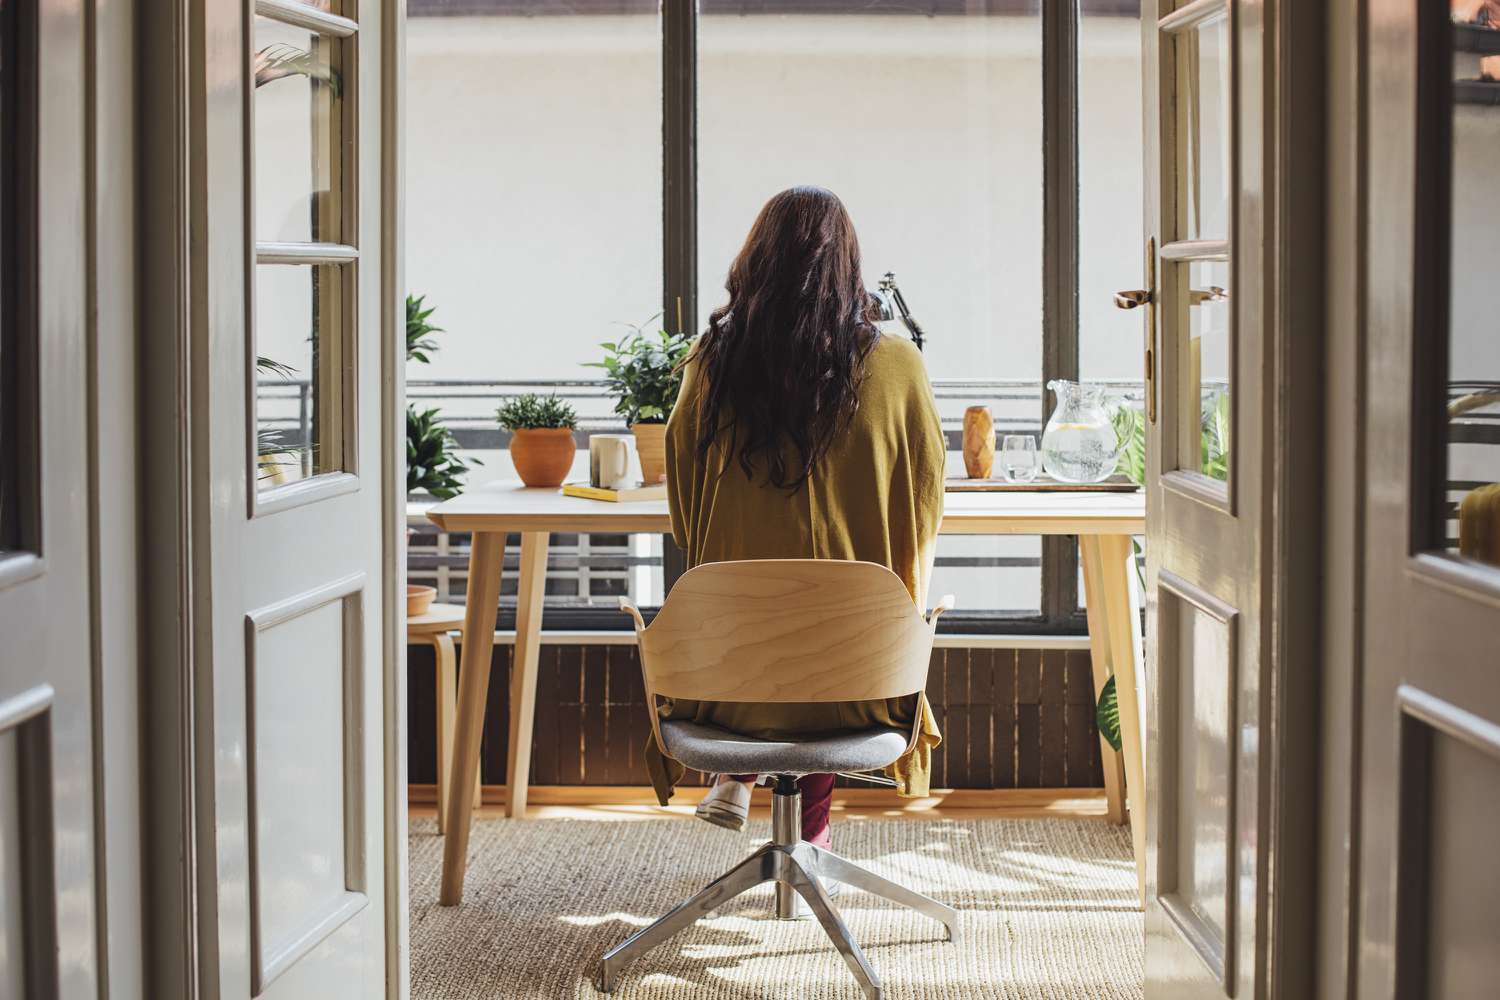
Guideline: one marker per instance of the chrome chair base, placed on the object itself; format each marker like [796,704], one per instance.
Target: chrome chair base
[796,867]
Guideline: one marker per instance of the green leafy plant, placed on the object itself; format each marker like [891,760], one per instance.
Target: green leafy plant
[1216,436]
[280,60]
[531,412]
[432,461]
[645,373]
[420,344]
[1107,715]
[1130,428]
[272,453]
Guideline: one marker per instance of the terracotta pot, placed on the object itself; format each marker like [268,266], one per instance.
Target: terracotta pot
[979,442]
[651,446]
[418,599]
[543,455]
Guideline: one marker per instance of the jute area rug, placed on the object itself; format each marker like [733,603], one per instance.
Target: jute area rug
[1048,909]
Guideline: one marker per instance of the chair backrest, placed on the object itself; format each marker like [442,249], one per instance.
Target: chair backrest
[787,630]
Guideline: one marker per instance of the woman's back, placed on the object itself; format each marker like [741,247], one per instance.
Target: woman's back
[800,432]
[876,495]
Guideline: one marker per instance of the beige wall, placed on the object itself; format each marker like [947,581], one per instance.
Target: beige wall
[534,187]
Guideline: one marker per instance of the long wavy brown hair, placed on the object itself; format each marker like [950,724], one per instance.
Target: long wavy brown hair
[782,361]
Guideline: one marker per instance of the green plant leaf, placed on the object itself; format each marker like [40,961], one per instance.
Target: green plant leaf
[432,462]
[1107,715]
[531,412]
[420,345]
[644,372]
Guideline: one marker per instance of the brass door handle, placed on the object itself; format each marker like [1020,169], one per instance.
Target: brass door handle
[1213,293]
[1132,298]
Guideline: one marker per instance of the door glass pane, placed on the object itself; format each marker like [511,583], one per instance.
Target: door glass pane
[297,137]
[1204,362]
[19,501]
[1469,503]
[929,128]
[300,372]
[1112,240]
[1204,128]
[8,539]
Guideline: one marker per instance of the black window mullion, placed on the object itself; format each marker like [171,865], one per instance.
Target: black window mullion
[679,77]
[679,131]
[1059,262]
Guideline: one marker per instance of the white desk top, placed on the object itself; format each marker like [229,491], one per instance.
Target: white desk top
[506,505]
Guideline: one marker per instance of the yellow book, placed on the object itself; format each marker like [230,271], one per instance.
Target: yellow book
[640,491]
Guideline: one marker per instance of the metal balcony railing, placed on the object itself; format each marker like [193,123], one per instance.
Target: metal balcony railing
[592,570]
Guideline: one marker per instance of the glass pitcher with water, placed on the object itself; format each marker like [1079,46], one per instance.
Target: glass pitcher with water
[1079,444]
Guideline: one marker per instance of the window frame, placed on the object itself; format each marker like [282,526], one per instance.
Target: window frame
[341,258]
[1059,611]
[20,404]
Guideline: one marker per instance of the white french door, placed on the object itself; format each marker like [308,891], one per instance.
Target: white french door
[47,779]
[1427,888]
[297,410]
[1205,365]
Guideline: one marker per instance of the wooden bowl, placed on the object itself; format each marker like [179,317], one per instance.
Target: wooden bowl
[418,599]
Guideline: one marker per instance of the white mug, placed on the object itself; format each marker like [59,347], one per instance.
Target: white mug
[609,461]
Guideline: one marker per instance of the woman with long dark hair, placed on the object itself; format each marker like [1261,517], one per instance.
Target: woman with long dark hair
[801,432]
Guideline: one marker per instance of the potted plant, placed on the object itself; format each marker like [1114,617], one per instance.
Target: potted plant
[432,462]
[541,443]
[645,374]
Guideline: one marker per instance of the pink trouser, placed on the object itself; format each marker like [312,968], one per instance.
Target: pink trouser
[817,796]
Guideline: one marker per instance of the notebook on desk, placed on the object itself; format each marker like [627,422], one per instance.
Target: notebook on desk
[640,491]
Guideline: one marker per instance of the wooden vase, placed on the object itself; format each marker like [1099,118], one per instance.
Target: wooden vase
[651,446]
[543,455]
[979,442]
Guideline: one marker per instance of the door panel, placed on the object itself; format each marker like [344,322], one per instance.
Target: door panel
[1205,529]
[47,780]
[293,369]
[1429,896]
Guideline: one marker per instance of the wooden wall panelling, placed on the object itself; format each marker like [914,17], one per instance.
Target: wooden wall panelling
[1003,754]
[1052,706]
[544,742]
[570,732]
[982,719]
[595,731]
[1010,718]
[1082,751]
[1029,718]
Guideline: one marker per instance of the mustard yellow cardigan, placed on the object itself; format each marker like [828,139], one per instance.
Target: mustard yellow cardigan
[877,496]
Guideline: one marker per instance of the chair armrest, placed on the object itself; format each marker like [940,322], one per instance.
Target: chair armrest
[945,604]
[630,609]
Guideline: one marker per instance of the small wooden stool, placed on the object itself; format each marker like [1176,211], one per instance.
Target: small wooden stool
[435,629]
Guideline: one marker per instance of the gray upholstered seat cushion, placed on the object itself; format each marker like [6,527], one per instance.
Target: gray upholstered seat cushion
[709,748]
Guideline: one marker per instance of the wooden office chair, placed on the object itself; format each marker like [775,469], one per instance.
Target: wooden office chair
[784,630]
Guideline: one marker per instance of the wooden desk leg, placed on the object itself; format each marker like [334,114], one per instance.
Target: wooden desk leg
[1114,609]
[447,699]
[529,594]
[1112,759]
[486,556]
